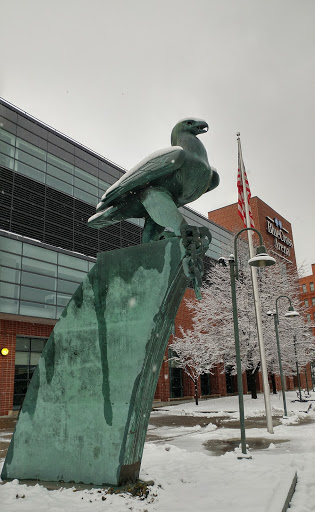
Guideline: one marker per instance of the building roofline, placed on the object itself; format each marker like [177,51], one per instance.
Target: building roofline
[60,134]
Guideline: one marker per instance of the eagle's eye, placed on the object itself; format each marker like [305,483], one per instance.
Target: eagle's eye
[189,123]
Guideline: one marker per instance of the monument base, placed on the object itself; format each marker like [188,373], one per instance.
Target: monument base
[85,415]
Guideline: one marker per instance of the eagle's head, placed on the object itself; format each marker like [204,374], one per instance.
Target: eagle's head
[189,125]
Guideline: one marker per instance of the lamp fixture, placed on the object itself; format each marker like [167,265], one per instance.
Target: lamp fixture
[4,351]
[291,312]
[262,259]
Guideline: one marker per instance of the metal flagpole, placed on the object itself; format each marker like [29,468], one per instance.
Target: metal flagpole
[256,298]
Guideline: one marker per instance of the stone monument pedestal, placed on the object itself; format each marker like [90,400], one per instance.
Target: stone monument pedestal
[85,415]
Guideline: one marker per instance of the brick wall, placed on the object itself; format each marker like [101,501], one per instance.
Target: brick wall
[9,330]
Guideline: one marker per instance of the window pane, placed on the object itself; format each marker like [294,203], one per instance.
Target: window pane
[22,358]
[21,372]
[92,189]
[9,290]
[62,300]
[10,260]
[7,149]
[7,244]
[59,312]
[37,345]
[7,137]
[304,288]
[31,149]
[306,302]
[6,161]
[22,344]
[29,171]
[41,310]
[313,301]
[10,274]
[59,185]
[34,358]
[39,253]
[71,274]
[36,295]
[48,283]
[86,176]
[70,261]
[66,287]
[58,162]
[91,265]
[30,160]
[9,306]
[41,267]
[312,287]
[59,174]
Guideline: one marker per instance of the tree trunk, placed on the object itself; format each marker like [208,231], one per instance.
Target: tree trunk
[196,391]
[273,382]
[251,381]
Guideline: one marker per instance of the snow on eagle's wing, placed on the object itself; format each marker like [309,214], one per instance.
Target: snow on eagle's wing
[158,164]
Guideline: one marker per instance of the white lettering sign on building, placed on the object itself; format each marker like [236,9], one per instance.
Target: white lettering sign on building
[281,241]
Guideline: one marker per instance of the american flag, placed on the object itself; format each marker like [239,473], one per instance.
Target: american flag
[241,198]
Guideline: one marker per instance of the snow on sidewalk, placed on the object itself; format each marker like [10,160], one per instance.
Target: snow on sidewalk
[188,477]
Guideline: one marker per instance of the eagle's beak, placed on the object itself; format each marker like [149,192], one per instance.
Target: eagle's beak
[203,128]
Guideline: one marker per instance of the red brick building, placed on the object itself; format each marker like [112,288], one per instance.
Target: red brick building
[278,239]
[275,229]
[308,296]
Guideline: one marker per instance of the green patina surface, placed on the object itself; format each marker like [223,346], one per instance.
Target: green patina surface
[85,415]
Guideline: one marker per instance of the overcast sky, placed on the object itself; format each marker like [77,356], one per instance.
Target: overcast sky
[117,75]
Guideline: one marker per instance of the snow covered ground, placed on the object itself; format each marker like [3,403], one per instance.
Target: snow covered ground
[196,467]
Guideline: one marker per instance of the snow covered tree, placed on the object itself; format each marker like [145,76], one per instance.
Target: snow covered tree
[210,341]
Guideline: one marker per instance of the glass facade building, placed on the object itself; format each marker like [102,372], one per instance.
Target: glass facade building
[49,187]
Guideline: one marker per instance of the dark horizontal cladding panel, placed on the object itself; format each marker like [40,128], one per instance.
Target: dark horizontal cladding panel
[8,125]
[55,217]
[5,212]
[129,242]
[56,195]
[6,174]
[86,250]
[58,241]
[86,156]
[4,223]
[29,184]
[31,208]
[111,239]
[64,209]
[31,138]
[59,141]
[58,230]
[28,230]
[83,207]
[8,113]
[81,217]
[81,239]
[28,195]
[115,229]
[32,126]
[83,227]
[60,153]
[26,219]
[107,246]
[106,168]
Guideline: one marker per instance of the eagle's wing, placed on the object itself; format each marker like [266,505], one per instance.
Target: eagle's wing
[215,180]
[158,164]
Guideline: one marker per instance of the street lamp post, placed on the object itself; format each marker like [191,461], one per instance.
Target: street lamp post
[260,260]
[275,314]
[297,368]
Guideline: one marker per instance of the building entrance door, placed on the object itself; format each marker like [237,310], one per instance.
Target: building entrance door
[27,353]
